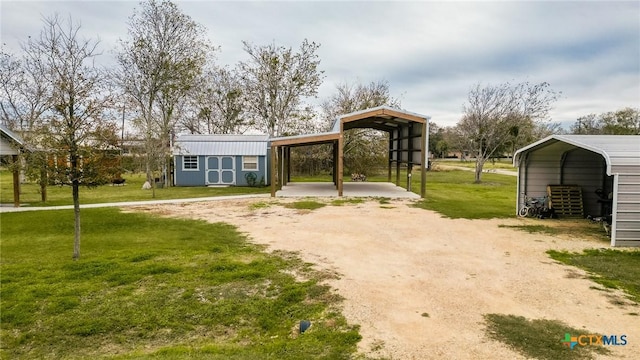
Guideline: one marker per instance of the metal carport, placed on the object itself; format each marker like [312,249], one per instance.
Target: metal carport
[607,162]
[408,144]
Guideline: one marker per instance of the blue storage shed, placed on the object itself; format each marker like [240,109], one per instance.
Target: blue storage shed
[204,160]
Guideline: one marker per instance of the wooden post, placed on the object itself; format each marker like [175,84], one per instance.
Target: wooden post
[424,158]
[288,164]
[398,155]
[334,145]
[273,170]
[390,156]
[16,182]
[281,168]
[340,159]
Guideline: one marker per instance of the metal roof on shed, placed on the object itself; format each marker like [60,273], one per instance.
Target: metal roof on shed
[221,145]
[617,150]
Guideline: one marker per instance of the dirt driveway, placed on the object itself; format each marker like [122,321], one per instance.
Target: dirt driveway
[419,284]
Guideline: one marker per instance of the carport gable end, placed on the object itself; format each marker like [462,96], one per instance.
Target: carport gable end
[408,144]
[221,160]
[607,162]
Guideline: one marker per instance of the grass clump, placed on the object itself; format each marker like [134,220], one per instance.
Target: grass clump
[306,205]
[156,287]
[538,338]
[340,202]
[534,229]
[261,205]
[614,269]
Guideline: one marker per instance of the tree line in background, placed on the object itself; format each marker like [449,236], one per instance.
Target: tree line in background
[71,112]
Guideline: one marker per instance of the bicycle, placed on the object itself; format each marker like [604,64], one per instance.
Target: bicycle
[533,206]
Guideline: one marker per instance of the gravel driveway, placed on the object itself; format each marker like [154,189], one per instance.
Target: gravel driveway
[419,284]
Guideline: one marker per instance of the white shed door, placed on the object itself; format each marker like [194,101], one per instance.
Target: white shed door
[220,170]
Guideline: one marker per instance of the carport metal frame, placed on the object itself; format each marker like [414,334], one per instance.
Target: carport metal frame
[399,124]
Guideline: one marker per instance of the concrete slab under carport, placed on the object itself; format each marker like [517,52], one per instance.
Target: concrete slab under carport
[353,189]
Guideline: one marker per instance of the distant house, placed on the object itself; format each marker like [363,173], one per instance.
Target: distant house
[203,160]
[11,145]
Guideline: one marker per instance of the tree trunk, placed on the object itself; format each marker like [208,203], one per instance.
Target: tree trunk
[150,178]
[479,164]
[76,213]
[75,189]
[43,184]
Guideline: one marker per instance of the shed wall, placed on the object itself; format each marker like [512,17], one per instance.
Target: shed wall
[6,147]
[627,229]
[588,170]
[198,177]
[190,177]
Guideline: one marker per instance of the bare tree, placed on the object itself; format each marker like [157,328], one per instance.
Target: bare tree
[276,80]
[494,114]
[76,101]
[165,53]
[219,103]
[364,149]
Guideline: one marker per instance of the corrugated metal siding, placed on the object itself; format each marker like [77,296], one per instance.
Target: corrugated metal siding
[591,162]
[627,230]
[221,145]
[221,148]
[586,169]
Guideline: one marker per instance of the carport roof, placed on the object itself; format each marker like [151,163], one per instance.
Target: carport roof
[380,118]
[623,150]
[221,145]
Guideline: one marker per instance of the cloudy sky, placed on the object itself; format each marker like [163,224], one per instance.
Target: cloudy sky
[430,52]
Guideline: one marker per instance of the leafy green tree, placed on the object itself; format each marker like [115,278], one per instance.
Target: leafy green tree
[625,121]
[622,122]
[75,127]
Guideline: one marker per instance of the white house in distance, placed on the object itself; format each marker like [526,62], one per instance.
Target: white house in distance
[589,164]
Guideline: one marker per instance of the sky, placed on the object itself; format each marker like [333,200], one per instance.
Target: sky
[430,52]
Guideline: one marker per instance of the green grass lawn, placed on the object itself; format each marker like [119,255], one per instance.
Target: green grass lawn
[454,194]
[539,338]
[613,269]
[157,287]
[503,164]
[132,191]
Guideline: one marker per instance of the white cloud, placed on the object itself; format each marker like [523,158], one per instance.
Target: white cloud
[430,52]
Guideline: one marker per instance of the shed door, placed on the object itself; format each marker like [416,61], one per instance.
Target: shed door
[220,170]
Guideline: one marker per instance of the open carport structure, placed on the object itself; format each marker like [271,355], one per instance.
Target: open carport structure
[408,144]
[590,164]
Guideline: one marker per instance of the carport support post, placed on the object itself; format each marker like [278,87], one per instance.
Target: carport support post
[281,168]
[424,154]
[288,164]
[340,159]
[334,171]
[273,170]
[16,182]
[390,156]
